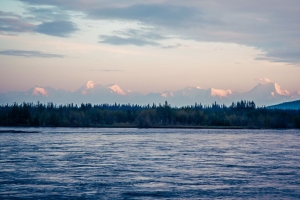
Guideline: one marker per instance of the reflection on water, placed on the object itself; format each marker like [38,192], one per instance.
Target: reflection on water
[150,164]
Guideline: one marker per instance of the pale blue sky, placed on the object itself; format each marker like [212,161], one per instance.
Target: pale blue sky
[149,47]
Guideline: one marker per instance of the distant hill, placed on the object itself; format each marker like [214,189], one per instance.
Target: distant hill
[293,105]
[264,93]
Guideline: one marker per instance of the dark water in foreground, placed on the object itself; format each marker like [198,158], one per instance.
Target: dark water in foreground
[150,164]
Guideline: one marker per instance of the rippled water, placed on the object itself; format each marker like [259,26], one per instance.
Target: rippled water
[149,164]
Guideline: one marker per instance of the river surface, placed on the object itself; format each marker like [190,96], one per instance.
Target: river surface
[93,163]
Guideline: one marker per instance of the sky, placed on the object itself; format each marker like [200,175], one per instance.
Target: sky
[149,46]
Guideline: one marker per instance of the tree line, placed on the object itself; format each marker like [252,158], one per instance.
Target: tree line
[238,114]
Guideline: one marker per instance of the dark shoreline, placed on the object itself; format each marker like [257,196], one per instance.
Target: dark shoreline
[240,115]
[17,131]
[135,126]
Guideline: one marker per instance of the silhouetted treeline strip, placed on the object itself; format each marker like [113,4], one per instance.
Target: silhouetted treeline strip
[239,114]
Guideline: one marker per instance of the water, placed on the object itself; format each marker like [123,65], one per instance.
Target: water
[149,164]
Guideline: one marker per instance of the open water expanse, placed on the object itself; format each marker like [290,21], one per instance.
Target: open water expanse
[93,163]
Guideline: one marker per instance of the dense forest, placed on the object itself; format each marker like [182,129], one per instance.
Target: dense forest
[240,114]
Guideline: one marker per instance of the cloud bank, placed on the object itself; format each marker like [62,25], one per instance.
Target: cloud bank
[57,28]
[10,22]
[271,25]
[30,54]
[137,37]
